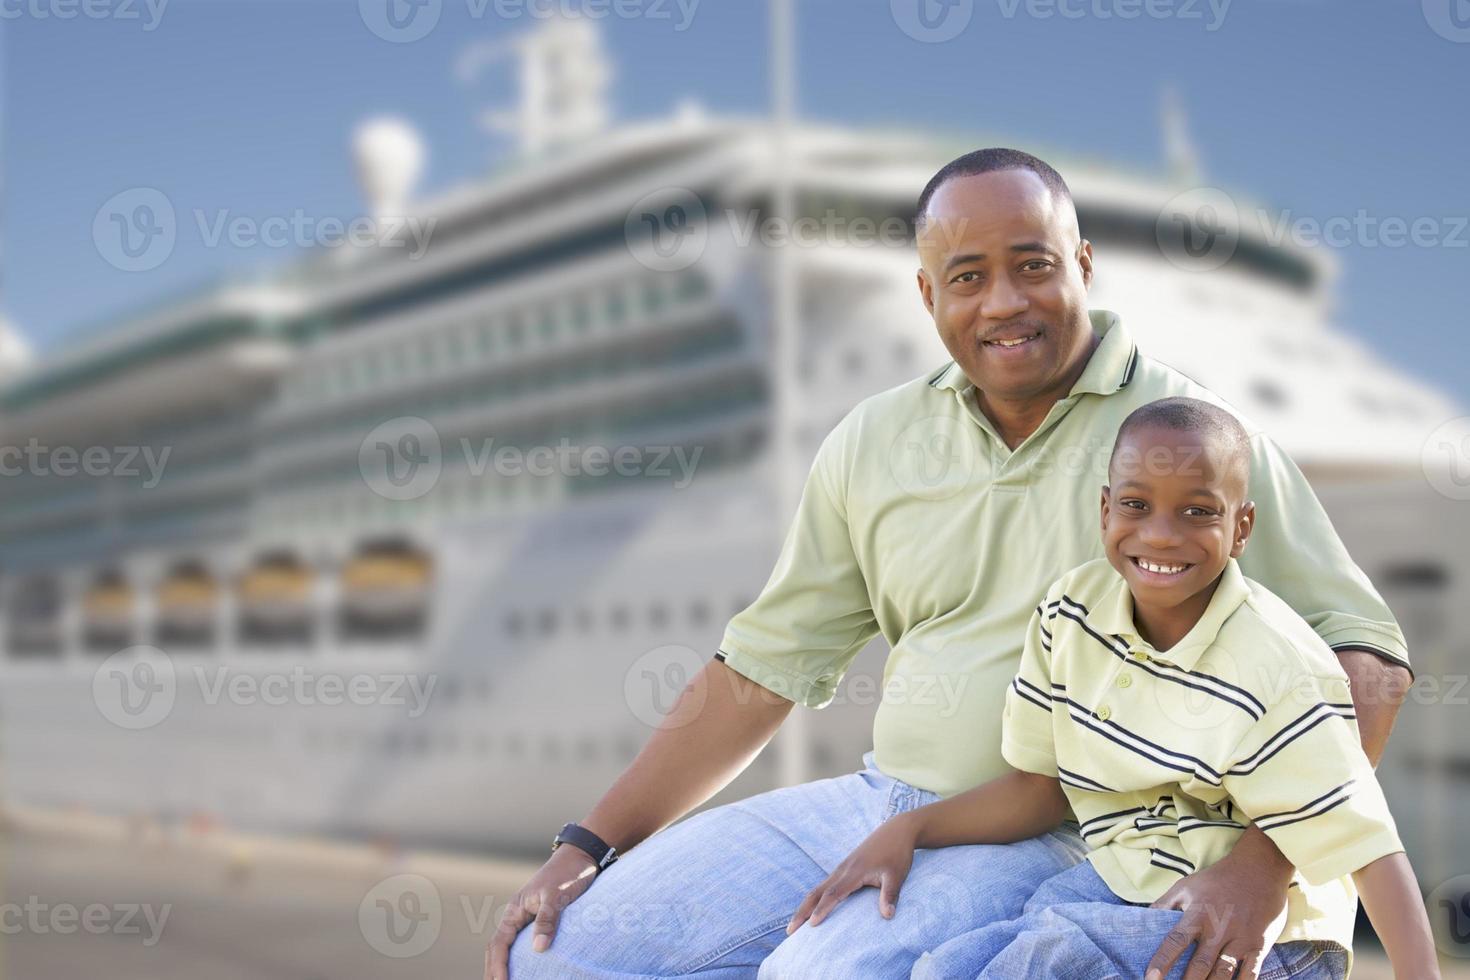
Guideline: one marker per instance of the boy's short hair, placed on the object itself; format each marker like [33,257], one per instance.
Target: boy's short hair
[1192,415]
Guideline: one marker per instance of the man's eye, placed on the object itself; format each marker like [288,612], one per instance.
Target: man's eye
[966,277]
[1036,265]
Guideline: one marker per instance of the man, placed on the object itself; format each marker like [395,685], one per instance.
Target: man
[937,513]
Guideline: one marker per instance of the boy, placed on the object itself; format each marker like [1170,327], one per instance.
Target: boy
[1169,703]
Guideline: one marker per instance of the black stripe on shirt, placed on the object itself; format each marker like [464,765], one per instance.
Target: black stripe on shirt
[1312,808]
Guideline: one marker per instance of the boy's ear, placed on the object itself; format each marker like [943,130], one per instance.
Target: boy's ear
[1103,517]
[1244,524]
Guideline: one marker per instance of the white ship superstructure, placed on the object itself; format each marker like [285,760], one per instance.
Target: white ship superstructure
[553,614]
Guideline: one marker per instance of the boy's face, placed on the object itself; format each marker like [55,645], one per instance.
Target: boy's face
[1174,513]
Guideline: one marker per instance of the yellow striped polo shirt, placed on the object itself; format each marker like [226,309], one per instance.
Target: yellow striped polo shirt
[1167,757]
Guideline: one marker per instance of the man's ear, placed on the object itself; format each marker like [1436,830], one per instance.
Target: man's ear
[1244,524]
[926,291]
[1084,261]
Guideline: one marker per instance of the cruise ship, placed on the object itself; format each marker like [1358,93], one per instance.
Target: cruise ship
[366,560]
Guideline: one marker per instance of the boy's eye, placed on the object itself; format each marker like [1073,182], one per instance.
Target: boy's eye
[1133,504]
[1197,512]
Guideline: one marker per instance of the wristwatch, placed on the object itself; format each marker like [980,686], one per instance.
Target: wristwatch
[599,850]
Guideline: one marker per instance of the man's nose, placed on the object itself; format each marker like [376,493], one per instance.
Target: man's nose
[1003,300]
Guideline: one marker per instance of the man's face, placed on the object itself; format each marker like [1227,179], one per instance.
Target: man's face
[1005,276]
[1173,514]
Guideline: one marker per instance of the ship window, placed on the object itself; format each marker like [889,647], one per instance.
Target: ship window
[581,314]
[515,330]
[107,613]
[584,619]
[547,326]
[854,362]
[698,612]
[620,618]
[514,623]
[1268,393]
[34,619]
[547,621]
[617,306]
[658,616]
[1424,576]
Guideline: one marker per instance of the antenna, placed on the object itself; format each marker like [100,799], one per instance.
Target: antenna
[564,75]
[785,342]
[390,160]
[15,352]
[1179,151]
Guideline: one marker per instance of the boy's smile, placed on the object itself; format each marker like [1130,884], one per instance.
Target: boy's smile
[1174,513]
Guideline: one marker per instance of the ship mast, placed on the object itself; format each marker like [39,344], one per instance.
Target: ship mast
[786,471]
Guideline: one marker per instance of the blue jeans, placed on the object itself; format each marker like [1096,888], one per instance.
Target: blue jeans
[1075,928]
[710,896]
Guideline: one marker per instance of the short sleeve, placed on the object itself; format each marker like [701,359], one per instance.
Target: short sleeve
[1295,552]
[799,636]
[1301,776]
[1027,739]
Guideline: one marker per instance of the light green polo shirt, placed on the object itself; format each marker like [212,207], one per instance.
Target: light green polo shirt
[917,522]
[1168,756]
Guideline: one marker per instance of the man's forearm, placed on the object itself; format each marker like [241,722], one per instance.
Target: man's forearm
[1378,690]
[1014,807]
[719,724]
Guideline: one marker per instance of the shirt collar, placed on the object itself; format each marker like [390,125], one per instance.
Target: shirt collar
[1109,369]
[1113,613]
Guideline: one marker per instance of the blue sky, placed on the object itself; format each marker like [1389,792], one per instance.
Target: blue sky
[248,105]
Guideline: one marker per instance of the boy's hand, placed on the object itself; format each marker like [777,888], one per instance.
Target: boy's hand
[1234,910]
[882,861]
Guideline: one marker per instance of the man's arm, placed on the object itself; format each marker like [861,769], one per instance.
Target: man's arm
[1251,881]
[719,723]
[1378,690]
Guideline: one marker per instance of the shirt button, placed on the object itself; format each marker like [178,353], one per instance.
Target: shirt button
[1140,656]
[1104,713]
[1124,680]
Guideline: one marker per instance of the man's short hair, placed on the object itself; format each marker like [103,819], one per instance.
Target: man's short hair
[1193,415]
[986,161]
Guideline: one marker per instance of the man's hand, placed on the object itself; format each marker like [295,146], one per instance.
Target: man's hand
[1233,910]
[560,881]
[882,861]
